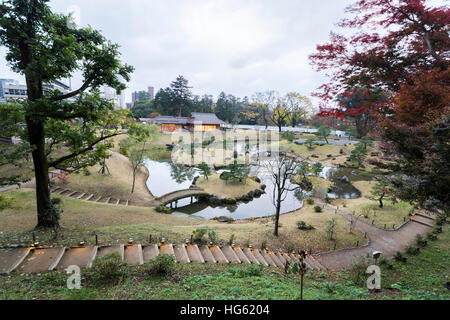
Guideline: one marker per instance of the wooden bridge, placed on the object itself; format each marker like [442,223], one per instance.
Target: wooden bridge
[181,194]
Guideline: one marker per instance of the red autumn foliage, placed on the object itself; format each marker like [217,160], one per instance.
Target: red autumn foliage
[401,48]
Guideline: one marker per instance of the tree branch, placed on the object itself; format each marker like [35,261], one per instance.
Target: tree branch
[75,154]
[76,92]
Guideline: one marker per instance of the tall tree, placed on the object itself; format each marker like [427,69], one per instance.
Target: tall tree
[44,47]
[281,170]
[181,95]
[299,107]
[139,146]
[279,114]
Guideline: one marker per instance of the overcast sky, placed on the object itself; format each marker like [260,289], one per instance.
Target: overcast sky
[236,46]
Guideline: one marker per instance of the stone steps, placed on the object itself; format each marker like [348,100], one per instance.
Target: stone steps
[43,259]
[88,197]
[422,220]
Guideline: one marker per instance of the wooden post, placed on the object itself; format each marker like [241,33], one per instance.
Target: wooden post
[96,239]
[150,238]
[385,225]
[34,238]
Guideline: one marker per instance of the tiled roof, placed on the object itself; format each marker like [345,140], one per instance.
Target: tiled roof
[205,118]
[170,119]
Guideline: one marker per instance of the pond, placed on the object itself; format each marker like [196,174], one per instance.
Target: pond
[165,177]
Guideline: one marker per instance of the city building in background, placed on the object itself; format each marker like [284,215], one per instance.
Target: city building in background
[151,92]
[135,95]
[12,89]
[110,94]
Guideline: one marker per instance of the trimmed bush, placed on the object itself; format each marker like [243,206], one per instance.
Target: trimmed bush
[317,209]
[199,234]
[162,265]
[108,268]
[303,226]
[310,201]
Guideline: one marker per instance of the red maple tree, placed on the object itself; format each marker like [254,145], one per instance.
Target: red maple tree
[401,48]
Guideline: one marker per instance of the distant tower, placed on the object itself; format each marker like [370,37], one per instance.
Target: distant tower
[134,97]
[151,92]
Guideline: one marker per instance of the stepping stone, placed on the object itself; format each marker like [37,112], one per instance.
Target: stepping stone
[150,252]
[207,255]
[424,215]
[309,263]
[117,203]
[41,260]
[218,254]
[98,199]
[230,254]
[276,260]
[107,200]
[81,196]
[281,258]
[251,257]
[194,254]
[422,220]
[127,203]
[181,254]
[269,260]
[10,259]
[167,249]
[241,255]
[103,251]
[133,255]
[72,193]
[90,197]
[316,263]
[259,257]
[294,257]
[82,257]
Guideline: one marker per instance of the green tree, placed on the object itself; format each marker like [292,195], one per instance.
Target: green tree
[331,228]
[181,95]
[359,154]
[299,107]
[235,172]
[44,47]
[323,132]
[310,142]
[139,146]
[366,142]
[382,191]
[204,168]
[317,168]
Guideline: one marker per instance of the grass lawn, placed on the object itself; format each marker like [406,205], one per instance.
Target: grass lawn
[304,151]
[390,214]
[115,224]
[117,185]
[421,277]
[224,189]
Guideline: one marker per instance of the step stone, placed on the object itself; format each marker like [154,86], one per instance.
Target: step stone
[181,254]
[249,254]
[241,255]
[230,254]
[207,255]
[150,252]
[194,253]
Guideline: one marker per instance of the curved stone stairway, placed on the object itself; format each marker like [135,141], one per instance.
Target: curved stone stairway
[45,259]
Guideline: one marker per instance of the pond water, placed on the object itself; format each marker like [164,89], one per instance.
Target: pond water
[165,177]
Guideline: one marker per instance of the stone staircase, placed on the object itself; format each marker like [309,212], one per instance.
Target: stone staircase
[45,259]
[89,197]
[424,218]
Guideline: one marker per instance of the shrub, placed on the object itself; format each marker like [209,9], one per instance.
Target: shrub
[412,250]
[163,209]
[440,219]
[420,241]
[288,135]
[213,236]
[108,268]
[431,236]
[231,240]
[303,226]
[357,272]
[341,151]
[317,209]
[162,265]
[399,257]
[252,270]
[310,201]
[199,233]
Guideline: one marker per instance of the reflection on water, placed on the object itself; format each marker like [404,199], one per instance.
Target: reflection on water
[165,177]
